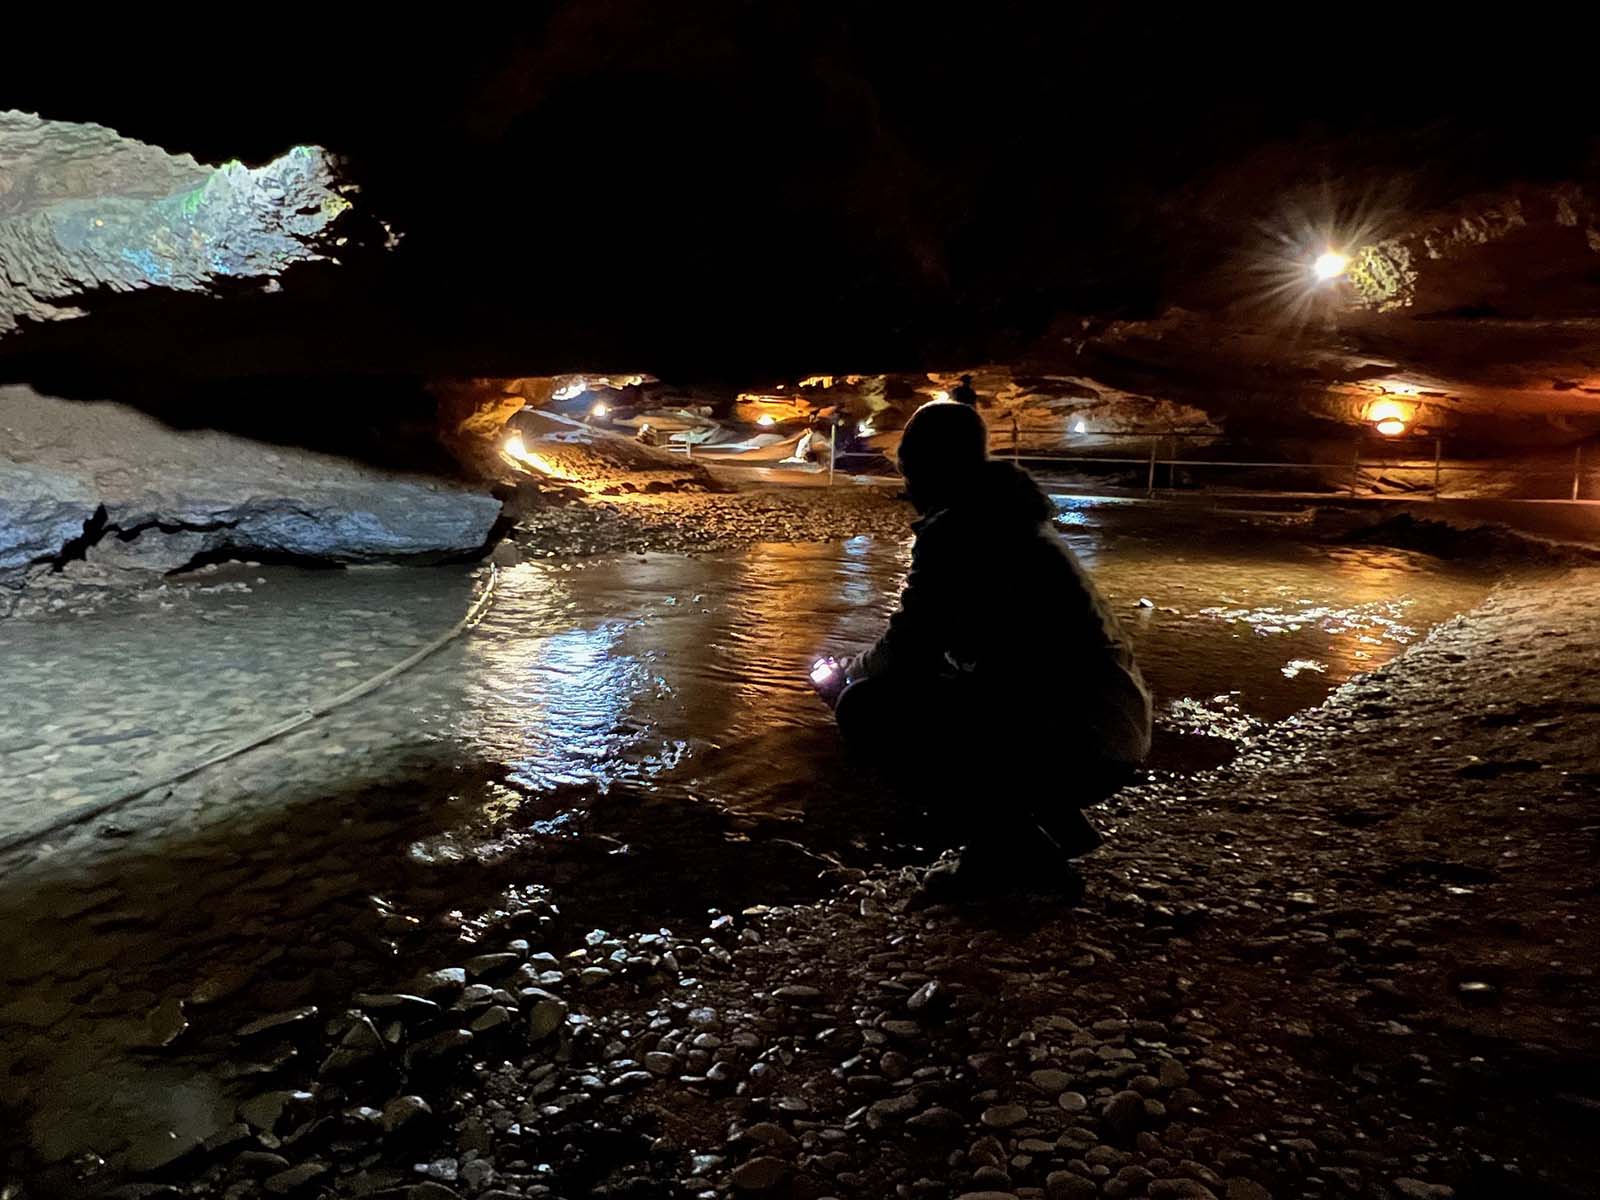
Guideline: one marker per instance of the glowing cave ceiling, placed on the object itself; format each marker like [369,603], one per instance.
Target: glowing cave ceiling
[743,194]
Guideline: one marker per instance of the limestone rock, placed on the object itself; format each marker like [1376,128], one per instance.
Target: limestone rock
[154,498]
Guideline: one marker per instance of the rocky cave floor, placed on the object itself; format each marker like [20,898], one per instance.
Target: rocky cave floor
[1358,960]
[691,521]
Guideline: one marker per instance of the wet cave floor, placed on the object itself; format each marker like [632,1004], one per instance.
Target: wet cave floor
[624,744]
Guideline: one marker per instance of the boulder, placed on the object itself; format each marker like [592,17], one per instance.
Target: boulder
[145,498]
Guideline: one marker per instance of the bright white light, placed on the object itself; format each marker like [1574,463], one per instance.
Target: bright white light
[941,394]
[821,669]
[766,420]
[1330,264]
[600,410]
[1080,426]
[569,391]
[1391,427]
[864,427]
[516,448]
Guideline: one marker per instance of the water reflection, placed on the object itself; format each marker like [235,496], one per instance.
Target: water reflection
[686,676]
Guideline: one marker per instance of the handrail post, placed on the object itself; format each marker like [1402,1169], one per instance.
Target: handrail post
[1438,464]
[1016,440]
[1150,482]
[1577,470]
[1355,470]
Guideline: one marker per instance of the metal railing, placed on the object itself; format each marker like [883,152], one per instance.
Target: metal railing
[1433,466]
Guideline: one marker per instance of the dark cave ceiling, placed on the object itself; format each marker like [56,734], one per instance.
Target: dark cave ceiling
[732,191]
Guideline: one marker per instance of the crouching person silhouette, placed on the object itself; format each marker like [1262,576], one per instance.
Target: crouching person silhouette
[1003,697]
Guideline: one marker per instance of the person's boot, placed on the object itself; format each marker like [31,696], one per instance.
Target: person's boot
[1029,863]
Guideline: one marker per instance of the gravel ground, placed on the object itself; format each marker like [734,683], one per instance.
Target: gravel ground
[686,522]
[1358,961]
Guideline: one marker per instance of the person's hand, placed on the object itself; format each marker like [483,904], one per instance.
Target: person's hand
[829,679]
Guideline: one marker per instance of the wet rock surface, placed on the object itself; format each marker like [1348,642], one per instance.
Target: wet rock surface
[1262,991]
[135,498]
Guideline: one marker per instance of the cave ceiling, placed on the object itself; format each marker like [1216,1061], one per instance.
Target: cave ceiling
[731,192]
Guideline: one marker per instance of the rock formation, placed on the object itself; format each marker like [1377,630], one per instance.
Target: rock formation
[110,485]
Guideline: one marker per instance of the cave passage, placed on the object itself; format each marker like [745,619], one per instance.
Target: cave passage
[655,703]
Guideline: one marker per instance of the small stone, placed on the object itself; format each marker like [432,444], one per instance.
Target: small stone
[798,994]
[895,1108]
[260,1162]
[489,965]
[439,1048]
[363,1035]
[1050,1082]
[446,983]
[403,1110]
[281,1022]
[937,1122]
[932,996]
[1420,1189]
[431,1191]
[659,1063]
[1124,1113]
[771,1135]
[229,1137]
[402,1005]
[1073,1102]
[167,1023]
[266,1111]
[1004,1116]
[903,1030]
[287,1182]
[1172,1074]
[1069,1185]
[491,1019]
[1240,1188]
[759,1174]
[548,1013]
[1180,1189]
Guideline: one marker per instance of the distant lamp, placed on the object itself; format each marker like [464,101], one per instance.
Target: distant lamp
[766,420]
[1330,264]
[600,410]
[941,395]
[1080,426]
[1389,417]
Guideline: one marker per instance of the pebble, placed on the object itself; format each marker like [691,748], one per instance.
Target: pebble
[1050,1082]
[287,1182]
[1073,1102]
[1180,1189]
[759,1174]
[1124,1113]
[1069,1185]
[937,1121]
[402,1110]
[1004,1116]
[278,1022]
[795,993]
[1419,1189]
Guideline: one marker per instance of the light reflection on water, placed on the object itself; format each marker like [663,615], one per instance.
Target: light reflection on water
[688,674]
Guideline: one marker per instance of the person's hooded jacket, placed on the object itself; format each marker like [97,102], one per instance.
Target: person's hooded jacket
[997,605]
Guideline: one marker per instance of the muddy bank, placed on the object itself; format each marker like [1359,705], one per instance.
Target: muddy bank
[1357,961]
